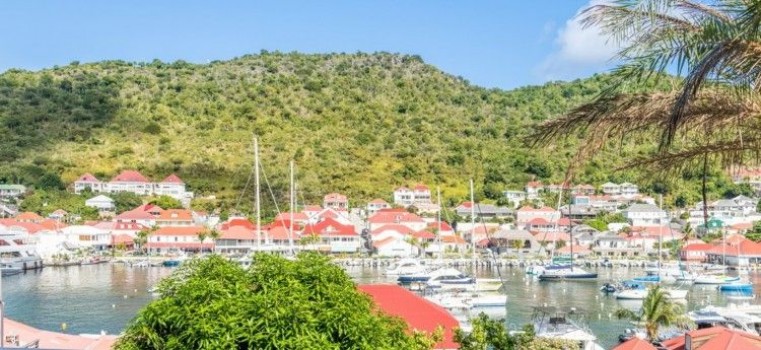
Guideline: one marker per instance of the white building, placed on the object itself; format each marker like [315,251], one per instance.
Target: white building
[133,181]
[101,202]
[610,188]
[515,197]
[645,215]
[418,195]
[375,205]
[11,191]
[526,214]
[87,236]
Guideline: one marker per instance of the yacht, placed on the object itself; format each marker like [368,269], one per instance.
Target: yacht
[468,300]
[715,279]
[636,290]
[737,286]
[449,278]
[17,253]
[712,316]
[568,273]
[552,322]
[405,267]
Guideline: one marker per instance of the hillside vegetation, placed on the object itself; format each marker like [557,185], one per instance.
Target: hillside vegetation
[360,124]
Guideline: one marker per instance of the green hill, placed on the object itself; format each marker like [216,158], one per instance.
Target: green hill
[360,124]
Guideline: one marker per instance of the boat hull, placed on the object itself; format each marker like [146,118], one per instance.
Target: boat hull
[575,277]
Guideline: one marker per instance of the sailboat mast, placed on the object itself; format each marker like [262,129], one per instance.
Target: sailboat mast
[257,199]
[438,234]
[292,207]
[570,225]
[473,223]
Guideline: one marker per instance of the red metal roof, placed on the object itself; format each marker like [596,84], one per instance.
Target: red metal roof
[420,314]
[383,216]
[698,247]
[178,231]
[444,226]
[135,214]
[238,232]
[130,176]
[334,197]
[424,235]
[329,227]
[715,338]
[405,230]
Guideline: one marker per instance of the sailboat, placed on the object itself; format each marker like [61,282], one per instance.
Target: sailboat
[568,272]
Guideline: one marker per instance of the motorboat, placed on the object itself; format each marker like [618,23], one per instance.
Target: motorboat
[737,286]
[424,276]
[468,300]
[563,323]
[712,316]
[637,290]
[405,267]
[609,288]
[715,279]
[570,273]
[10,270]
[448,278]
[17,251]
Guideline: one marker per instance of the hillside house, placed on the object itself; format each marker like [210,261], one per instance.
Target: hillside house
[335,201]
[135,182]
[645,215]
[527,213]
[102,203]
[12,190]
[375,205]
[486,211]
[534,189]
[335,237]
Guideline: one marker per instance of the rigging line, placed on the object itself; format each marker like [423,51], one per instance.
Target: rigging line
[272,194]
[488,239]
[248,182]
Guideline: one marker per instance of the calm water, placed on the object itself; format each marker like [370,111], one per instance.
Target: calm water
[105,297]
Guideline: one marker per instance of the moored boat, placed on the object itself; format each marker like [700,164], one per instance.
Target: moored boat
[405,267]
[715,279]
[572,273]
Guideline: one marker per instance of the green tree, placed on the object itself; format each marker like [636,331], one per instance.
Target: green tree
[490,334]
[141,238]
[124,201]
[657,310]
[306,303]
[166,202]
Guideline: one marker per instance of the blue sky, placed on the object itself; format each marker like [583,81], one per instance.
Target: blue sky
[501,43]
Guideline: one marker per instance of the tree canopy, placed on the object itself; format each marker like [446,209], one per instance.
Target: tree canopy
[306,303]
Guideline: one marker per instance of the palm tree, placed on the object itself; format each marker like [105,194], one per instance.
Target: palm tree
[657,310]
[141,238]
[202,235]
[689,233]
[214,235]
[706,112]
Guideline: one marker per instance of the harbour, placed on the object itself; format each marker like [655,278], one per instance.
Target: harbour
[105,297]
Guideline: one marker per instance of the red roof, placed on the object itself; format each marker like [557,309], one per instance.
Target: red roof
[122,238]
[467,204]
[577,249]
[552,236]
[387,217]
[87,177]
[135,214]
[52,225]
[746,247]
[526,208]
[130,176]
[742,226]
[444,226]
[180,245]
[635,344]
[297,217]
[538,221]
[178,231]
[378,201]
[698,247]
[420,314]
[534,184]
[329,227]
[382,242]
[421,188]
[29,216]
[330,197]
[714,338]
[424,235]
[176,215]
[564,222]
[173,179]
[452,239]
[30,227]
[280,233]
[394,227]
[239,232]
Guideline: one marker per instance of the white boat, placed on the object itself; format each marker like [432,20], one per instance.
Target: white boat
[449,278]
[468,300]
[641,293]
[571,273]
[715,279]
[552,322]
[732,318]
[17,252]
[405,267]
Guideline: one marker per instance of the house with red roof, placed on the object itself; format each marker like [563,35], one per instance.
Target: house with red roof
[175,217]
[335,201]
[29,216]
[185,238]
[136,216]
[537,225]
[441,227]
[635,344]
[135,182]
[335,236]
[237,239]
[394,247]
[341,216]
[742,252]
[713,338]
[382,218]
[420,314]
[375,205]
[695,252]
[533,189]
[527,213]
[419,195]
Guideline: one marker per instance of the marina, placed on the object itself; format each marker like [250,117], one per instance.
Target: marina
[104,297]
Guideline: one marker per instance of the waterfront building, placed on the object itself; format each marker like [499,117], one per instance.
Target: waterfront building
[178,238]
[696,252]
[135,182]
[137,216]
[86,236]
[237,239]
[175,217]
[101,202]
[335,237]
[737,251]
[713,338]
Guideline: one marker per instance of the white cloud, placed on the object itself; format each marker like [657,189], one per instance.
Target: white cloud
[577,49]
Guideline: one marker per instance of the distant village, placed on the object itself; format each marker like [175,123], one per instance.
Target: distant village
[413,225]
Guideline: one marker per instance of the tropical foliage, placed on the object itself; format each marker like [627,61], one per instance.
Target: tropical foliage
[657,310]
[491,334]
[306,303]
